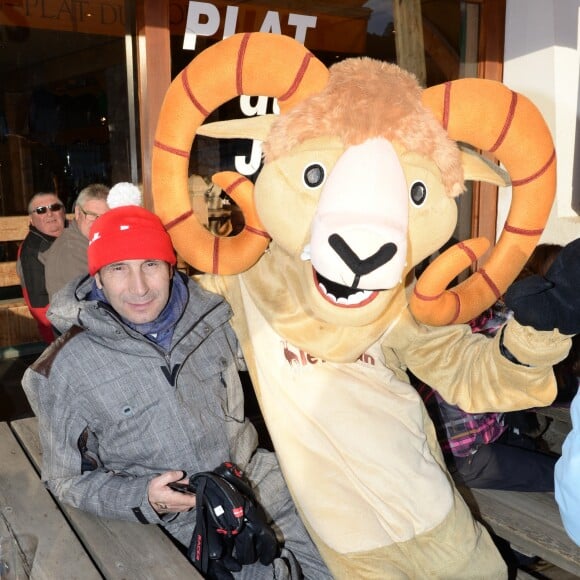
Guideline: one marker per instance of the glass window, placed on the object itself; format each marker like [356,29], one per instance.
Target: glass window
[332,31]
[65,104]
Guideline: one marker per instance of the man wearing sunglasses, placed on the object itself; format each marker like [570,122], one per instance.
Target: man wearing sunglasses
[67,257]
[47,222]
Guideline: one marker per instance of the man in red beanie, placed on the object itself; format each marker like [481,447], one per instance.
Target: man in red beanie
[142,390]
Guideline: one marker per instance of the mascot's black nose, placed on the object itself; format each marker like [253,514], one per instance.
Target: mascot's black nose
[359,267]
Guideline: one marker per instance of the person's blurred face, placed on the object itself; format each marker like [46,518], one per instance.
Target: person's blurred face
[47,215]
[137,289]
[88,212]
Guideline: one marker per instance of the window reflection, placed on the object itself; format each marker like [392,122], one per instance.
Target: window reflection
[63,99]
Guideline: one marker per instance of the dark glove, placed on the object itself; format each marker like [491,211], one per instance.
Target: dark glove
[231,529]
[551,301]
[257,540]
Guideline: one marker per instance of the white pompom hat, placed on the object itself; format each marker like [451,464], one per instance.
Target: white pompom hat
[127,232]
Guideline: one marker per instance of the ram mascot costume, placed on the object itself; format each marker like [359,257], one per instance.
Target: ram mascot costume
[361,168]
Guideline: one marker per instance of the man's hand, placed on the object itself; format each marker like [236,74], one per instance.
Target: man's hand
[163,499]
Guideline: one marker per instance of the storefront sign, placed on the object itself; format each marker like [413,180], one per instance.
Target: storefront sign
[90,16]
[319,26]
[204,19]
[218,20]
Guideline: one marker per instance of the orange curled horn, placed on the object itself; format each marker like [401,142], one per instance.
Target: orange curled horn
[251,64]
[491,117]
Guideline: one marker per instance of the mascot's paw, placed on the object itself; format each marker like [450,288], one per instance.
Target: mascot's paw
[552,301]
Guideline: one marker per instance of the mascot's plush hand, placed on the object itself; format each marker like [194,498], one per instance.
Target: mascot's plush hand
[550,301]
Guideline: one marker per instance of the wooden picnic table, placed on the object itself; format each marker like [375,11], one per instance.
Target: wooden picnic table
[56,541]
[530,521]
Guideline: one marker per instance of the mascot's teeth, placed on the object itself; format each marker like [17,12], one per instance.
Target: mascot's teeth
[359,297]
[305,255]
[353,299]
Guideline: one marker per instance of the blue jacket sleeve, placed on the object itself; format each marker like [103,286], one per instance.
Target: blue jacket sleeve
[567,476]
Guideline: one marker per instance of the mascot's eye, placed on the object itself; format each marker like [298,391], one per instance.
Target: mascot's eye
[314,175]
[418,193]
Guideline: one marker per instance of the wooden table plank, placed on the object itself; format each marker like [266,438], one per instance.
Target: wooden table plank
[120,549]
[29,512]
[530,521]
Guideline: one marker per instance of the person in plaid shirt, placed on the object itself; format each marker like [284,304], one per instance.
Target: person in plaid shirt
[491,450]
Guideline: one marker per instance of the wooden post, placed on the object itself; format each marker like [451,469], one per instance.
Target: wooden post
[154,77]
[409,38]
[491,48]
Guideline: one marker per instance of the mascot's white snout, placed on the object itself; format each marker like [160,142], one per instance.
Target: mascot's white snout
[363,217]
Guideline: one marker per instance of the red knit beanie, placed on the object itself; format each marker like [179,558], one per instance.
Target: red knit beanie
[128,232]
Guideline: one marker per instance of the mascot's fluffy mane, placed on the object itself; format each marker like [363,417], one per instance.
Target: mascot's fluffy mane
[354,106]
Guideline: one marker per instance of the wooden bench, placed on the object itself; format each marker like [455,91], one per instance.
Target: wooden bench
[556,413]
[558,424]
[529,521]
[18,330]
[59,541]
[17,327]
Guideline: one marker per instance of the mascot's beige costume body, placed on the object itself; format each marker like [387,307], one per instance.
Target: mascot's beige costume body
[357,187]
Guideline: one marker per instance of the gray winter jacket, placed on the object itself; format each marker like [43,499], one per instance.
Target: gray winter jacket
[111,401]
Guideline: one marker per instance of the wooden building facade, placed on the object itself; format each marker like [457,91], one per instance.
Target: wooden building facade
[83,83]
